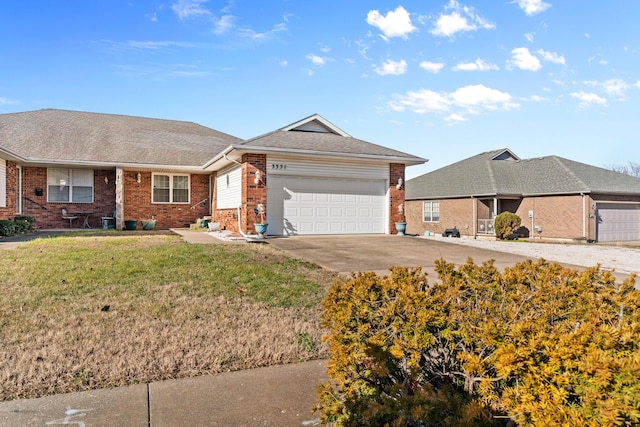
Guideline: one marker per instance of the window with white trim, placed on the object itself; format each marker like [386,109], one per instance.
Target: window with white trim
[69,185]
[431,211]
[170,188]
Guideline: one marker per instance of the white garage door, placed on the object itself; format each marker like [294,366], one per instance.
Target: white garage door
[305,205]
[618,223]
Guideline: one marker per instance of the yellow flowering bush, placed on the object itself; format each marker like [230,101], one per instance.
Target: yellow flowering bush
[536,345]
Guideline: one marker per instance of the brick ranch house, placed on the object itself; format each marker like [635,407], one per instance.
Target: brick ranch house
[554,197]
[312,177]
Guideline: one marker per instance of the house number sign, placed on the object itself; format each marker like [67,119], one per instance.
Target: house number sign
[278,166]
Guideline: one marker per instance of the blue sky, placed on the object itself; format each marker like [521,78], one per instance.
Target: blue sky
[443,80]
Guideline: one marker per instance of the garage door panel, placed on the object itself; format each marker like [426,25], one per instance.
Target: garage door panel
[326,206]
[618,222]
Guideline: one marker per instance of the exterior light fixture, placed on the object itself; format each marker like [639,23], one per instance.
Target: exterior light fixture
[139,177]
[400,208]
[106,180]
[257,178]
[399,184]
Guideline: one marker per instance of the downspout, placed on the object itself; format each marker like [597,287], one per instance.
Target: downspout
[584,216]
[246,236]
[475,217]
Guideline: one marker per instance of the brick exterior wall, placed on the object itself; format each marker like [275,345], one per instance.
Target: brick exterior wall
[137,200]
[561,217]
[9,211]
[48,215]
[397,208]
[138,206]
[453,213]
[252,193]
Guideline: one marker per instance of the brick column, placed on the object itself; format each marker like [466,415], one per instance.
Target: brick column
[396,199]
[253,193]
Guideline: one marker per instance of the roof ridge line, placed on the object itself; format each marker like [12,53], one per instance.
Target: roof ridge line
[570,172]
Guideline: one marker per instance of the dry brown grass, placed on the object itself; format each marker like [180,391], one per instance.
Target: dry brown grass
[57,334]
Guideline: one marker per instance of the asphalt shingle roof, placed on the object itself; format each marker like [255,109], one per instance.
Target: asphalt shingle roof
[483,175]
[62,135]
[324,142]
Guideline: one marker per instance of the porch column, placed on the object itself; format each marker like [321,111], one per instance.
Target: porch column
[119,197]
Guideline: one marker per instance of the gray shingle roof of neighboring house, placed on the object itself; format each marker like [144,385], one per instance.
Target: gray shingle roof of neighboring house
[500,173]
[50,136]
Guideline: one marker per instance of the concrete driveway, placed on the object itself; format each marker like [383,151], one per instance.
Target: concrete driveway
[345,254]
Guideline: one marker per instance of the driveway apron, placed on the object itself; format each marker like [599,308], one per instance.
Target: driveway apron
[377,253]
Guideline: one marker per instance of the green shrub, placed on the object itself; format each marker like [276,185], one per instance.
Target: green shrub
[538,344]
[7,228]
[506,224]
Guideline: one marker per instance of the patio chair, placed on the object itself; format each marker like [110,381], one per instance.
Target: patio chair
[106,219]
[65,215]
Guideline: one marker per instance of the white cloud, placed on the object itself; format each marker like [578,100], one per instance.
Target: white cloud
[224,24]
[532,7]
[455,118]
[587,99]
[477,65]
[262,36]
[473,99]
[476,97]
[316,60]
[154,45]
[612,87]
[462,18]
[530,37]
[189,8]
[395,68]
[283,63]
[421,102]
[615,87]
[394,24]
[6,101]
[538,98]
[551,57]
[432,67]
[523,59]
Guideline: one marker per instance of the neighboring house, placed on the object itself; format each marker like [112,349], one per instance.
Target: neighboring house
[311,177]
[554,197]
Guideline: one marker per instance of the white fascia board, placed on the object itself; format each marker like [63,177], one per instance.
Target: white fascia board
[409,161]
[226,157]
[11,155]
[109,165]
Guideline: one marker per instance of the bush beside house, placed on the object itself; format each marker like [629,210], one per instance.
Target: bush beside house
[536,345]
[19,225]
[506,224]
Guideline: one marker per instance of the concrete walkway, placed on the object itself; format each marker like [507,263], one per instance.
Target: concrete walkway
[275,396]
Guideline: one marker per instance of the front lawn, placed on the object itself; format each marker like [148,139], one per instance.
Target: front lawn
[94,311]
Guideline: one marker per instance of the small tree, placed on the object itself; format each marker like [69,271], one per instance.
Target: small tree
[506,224]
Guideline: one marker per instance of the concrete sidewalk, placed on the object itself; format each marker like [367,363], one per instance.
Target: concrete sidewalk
[275,396]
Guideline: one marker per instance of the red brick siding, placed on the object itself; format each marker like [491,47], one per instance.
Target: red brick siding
[9,211]
[453,213]
[396,196]
[138,206]
[252,193]
[559,216]
[48,215]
